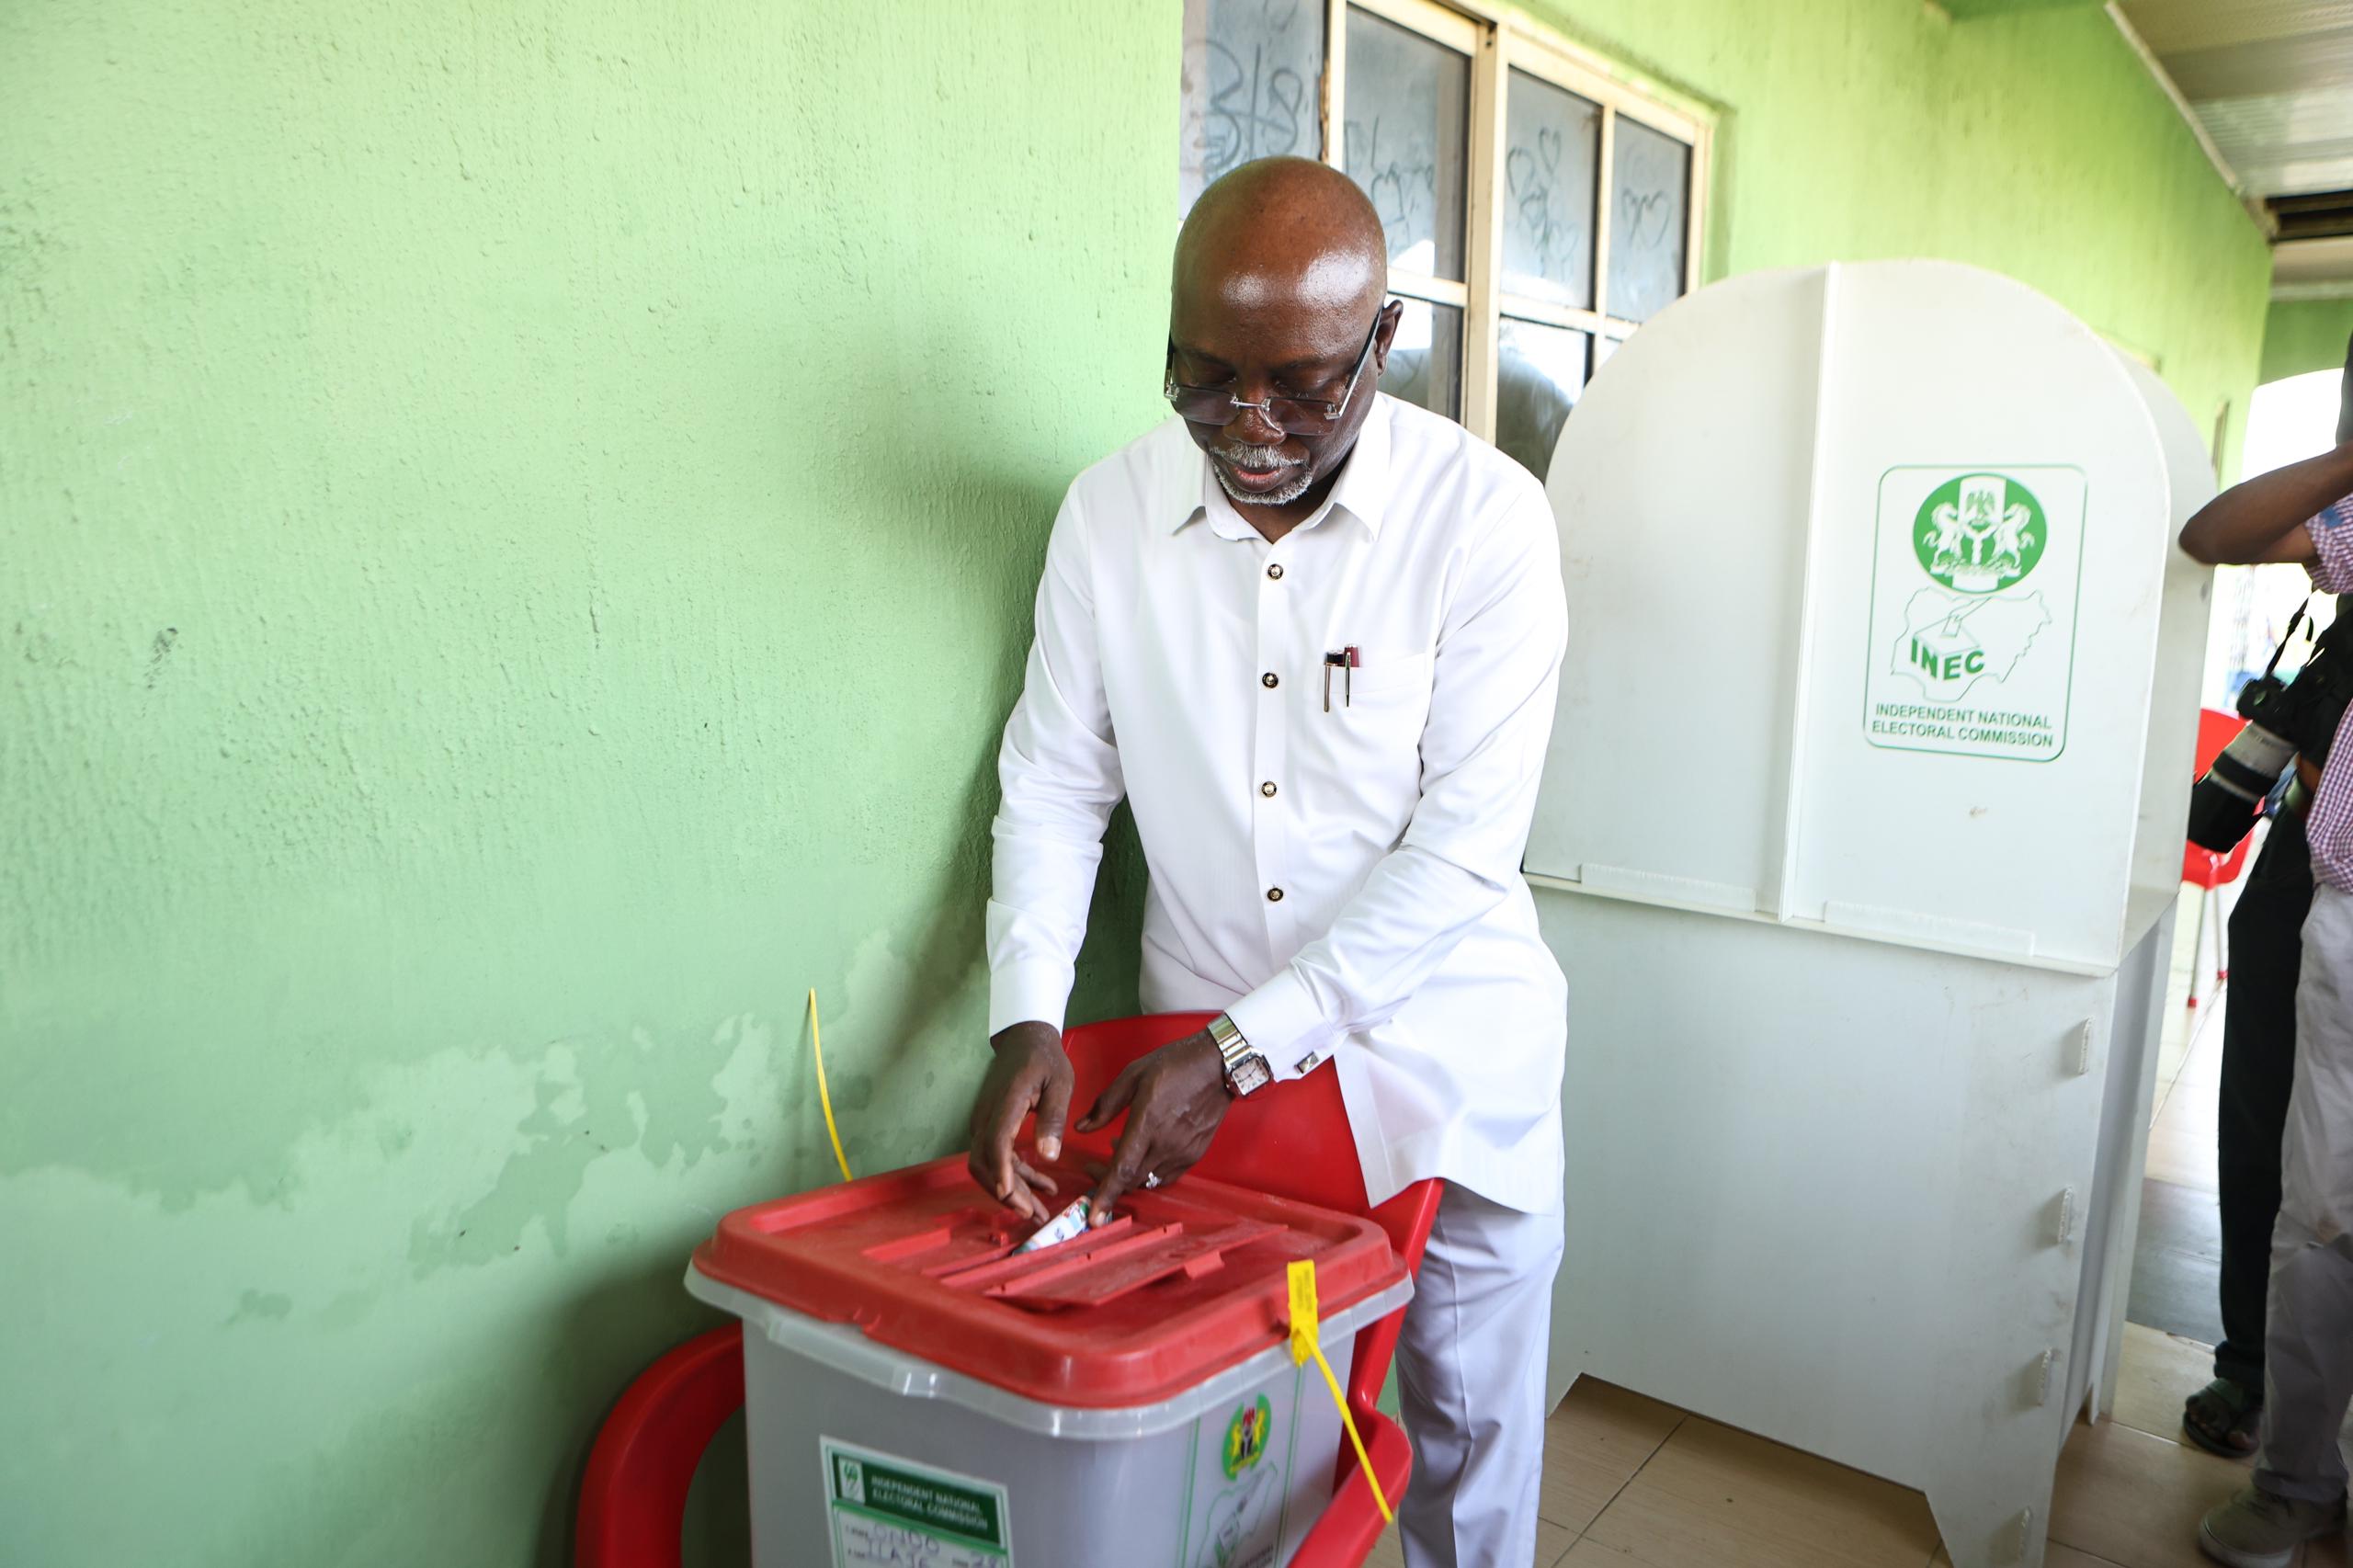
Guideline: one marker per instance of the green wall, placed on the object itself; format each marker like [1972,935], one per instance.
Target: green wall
[516,523]
[517,520]
[2302,336]
[2034,144]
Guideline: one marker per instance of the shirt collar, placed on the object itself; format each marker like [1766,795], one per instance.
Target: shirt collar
[1362,491]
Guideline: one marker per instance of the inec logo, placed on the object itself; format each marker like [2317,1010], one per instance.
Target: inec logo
[1976,569]
[1979,532]
[1976,535]
[1245,1436]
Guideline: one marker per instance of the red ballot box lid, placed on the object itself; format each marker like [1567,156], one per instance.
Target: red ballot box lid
[1184,1282]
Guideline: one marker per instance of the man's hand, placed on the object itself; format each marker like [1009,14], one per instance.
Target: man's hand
[1175,1099]
[2261,519]
[1030,1073]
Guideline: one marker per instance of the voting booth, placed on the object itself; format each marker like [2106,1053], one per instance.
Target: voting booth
[1860,842]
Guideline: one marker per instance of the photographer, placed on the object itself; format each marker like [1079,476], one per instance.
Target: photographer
[2304,513]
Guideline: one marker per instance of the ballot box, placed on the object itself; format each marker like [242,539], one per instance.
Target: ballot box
[1859,841]
[918,1391]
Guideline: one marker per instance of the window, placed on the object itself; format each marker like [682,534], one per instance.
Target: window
[1539,208]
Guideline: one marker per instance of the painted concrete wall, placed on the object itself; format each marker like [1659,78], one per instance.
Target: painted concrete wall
[2303,336]
[2034,143]
[515,524]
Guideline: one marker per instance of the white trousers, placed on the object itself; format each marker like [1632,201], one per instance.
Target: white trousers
[1471,1383]
[2308,1332]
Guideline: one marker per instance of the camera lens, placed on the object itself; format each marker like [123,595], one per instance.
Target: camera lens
[2224,804]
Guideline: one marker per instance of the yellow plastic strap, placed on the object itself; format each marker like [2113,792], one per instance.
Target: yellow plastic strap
[1303,1309]
[817,1043]
[1304,1344]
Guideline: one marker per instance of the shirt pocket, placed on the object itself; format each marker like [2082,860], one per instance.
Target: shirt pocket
[1381,676]
[1372,735]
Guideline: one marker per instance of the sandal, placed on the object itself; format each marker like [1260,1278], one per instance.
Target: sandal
[2223,1418]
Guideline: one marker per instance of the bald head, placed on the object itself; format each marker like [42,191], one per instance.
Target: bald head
[1284,229]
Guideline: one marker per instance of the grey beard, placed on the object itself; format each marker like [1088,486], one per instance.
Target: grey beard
[1247,457]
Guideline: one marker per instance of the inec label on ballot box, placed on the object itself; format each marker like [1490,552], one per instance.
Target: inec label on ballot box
[1238,1497]
[889,1513]
[1973,630]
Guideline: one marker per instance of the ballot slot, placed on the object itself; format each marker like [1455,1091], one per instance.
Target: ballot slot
[1106,1264]
[977,1252]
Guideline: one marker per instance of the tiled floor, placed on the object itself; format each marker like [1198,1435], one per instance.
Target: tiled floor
[1634,1483]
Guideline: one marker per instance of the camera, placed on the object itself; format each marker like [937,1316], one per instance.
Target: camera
[2284,719]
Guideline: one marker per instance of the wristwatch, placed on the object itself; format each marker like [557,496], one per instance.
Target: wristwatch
[1245,1070]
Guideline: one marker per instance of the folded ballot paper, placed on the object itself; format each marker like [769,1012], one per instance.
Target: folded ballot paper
[1069,1222]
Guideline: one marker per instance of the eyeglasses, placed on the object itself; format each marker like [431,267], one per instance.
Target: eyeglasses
[1298,415]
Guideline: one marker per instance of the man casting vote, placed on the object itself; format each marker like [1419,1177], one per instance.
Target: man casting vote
[1312,635]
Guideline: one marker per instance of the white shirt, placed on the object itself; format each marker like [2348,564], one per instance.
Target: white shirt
[1346,884]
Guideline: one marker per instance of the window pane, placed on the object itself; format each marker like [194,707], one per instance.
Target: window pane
[1539,370]
[1552,147]
[1650,189]
[1426,359]
[1406,140]
[1251,85]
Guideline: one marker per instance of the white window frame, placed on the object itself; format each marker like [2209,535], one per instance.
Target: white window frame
[1498,41]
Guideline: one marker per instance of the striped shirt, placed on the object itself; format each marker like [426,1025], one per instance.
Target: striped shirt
[2329,824]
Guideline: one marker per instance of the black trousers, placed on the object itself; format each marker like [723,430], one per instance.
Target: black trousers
[2258,1071]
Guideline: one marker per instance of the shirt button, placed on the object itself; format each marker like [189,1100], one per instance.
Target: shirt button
[1268,789]
[1270,679]
[1274,895]
[1276,571]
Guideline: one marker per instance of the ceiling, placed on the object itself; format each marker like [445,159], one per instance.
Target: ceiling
[2271,83]
[2272,80]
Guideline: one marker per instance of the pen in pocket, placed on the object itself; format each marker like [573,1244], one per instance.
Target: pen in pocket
[1345,661]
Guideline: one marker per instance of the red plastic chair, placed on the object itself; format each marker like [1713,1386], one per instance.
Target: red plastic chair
[633,1496]
[1291,1140]
[2202,868]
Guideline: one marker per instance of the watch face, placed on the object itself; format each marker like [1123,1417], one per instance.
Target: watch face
[1252,1073]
